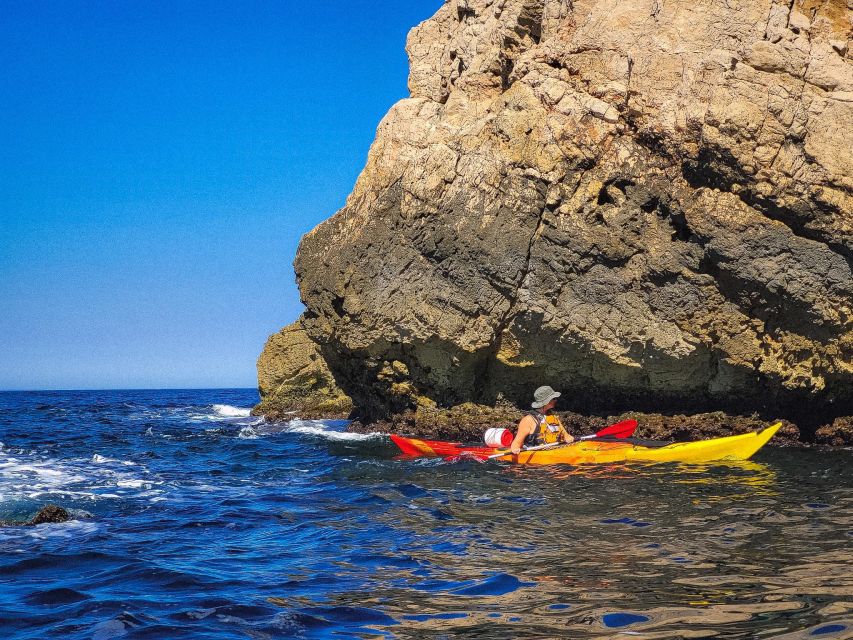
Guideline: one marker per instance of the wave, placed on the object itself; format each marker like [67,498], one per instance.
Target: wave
[194,414]
[228,411]
[99,459]
[28,476]
[328,430]
[73,530]
[323,429]
[248,433]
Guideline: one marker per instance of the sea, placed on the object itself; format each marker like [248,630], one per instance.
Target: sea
[192,518]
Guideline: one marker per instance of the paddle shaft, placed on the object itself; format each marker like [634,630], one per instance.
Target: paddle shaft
[543,446]
[622,429]
[537,448]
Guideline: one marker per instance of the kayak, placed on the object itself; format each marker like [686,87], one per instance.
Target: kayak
[438,448]
[738,447]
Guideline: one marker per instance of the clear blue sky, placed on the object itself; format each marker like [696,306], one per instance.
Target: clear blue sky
[159,163]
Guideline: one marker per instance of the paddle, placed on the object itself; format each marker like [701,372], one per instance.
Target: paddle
[624,429]
[537,448]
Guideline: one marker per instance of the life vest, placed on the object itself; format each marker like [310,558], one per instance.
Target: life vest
[548,429]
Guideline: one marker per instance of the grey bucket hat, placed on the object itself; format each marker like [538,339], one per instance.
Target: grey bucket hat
[542,396]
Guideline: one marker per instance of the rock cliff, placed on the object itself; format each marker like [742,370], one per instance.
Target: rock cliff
[645,203]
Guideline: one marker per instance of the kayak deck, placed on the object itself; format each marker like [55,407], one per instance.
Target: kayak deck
[737,447]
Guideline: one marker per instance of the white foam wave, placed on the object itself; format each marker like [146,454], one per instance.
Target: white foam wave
[99,459]
[28,476]
[248,433]
[134,484]
[227,411]
[35,474]
[75,529]
[317,428]
[322,429]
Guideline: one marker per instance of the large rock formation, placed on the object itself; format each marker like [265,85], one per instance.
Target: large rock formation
[644,203]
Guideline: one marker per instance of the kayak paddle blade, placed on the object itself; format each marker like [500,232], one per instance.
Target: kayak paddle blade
[624,429]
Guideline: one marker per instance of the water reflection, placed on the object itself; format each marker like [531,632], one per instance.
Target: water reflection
[753,479]
[190,529]
[663,551]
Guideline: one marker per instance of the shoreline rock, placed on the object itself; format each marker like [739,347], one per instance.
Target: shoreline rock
[839,433]
[468,423]
[47,514]
[293,378]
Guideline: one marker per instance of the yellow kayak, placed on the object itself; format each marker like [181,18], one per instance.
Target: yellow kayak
[739,447]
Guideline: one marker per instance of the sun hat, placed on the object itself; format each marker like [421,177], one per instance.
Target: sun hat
[542,396]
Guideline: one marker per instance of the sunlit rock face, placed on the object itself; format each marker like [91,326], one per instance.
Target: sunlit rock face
[643,203]
[295,381]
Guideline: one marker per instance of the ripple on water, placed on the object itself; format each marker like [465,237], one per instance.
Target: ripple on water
[627,521]
[423,617]
[496,585]
[359,615]
[836,630]
[55,597]
[622,619]
[306,531]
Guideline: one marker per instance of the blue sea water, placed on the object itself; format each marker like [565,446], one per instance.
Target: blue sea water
[193,519]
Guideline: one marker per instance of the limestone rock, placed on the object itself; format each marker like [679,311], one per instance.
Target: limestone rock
[645,204]
[294,380]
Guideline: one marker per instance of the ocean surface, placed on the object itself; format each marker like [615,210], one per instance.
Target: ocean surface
[192,519]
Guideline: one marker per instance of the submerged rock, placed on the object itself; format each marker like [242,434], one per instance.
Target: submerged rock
[48,513]
[646,205]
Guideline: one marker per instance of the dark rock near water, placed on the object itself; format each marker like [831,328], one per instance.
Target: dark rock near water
[468,423]
[839,433]
[48,513]
[684,428]
[464,422]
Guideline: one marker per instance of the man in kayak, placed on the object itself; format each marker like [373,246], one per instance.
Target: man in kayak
[539,426]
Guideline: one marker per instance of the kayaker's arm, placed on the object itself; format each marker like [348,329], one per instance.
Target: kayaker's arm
[525,428]
[565,435]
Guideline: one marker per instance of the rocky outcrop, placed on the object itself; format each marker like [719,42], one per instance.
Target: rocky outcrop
[839,433]
[647,204]
[293,379]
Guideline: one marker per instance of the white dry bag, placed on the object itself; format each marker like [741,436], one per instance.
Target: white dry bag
[498,437]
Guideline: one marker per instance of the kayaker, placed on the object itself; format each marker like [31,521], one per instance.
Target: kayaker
[540,426]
